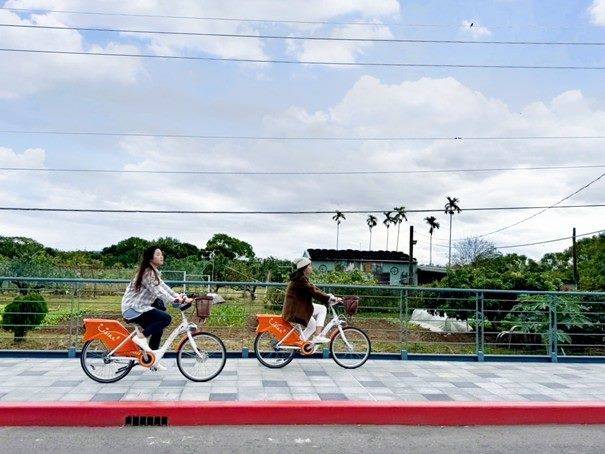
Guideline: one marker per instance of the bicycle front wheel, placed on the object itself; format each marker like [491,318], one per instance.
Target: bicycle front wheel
[205,363]
[350,348]
[267,352]
[101,368]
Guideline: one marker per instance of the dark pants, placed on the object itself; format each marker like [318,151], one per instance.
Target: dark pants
[153,323]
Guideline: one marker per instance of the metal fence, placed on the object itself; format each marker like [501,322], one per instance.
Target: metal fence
[399,320]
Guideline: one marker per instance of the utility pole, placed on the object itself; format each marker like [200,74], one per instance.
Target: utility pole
[574,254]
[449,252]
[411,262]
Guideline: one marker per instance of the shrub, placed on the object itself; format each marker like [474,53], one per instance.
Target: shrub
[24,314]
[530,317]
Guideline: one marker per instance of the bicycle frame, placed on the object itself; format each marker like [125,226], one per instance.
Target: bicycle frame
[297,342]
[126,348]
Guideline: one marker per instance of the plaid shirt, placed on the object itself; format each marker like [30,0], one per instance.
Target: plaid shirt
[151,289]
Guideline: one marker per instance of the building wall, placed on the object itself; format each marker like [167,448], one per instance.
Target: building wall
[386,272]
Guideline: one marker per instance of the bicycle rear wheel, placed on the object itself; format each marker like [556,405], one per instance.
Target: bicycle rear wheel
[350,348]
[208,363]
[267,352]
[97,366]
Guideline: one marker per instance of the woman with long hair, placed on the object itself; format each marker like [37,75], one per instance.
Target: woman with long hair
[299,306]
[145,298]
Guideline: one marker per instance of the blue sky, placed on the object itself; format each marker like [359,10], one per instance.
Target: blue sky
[48,92]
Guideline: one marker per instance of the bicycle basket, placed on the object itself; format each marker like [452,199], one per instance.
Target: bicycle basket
[351,304]
[202,307]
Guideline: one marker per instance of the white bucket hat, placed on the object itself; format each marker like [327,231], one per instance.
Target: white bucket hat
[302,262]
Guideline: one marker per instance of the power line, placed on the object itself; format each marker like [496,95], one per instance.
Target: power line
[278,212]
[548,241]
[278,21]
[303,62]
[307,38]
[288,172]
[542,211]
[293,138]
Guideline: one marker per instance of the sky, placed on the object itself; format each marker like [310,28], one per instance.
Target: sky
[44,92]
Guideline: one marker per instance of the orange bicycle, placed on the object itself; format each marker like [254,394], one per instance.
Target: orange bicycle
[277,340]
[109,353]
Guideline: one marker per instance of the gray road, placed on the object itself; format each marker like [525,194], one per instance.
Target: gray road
[325,439]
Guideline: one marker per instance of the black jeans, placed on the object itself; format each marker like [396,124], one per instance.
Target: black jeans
[153,323]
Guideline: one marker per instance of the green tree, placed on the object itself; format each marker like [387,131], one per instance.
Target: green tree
[25,313]
[433,224]
[16,246]
[591,263]
[173,248]
[126,253]
[372,221]
[338,218]
[229,247]
[274,269]
[451,207]
[400,216]
[24,257]
[507,272]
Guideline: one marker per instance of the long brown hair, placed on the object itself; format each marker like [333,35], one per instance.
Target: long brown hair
[145,265]
[298,274]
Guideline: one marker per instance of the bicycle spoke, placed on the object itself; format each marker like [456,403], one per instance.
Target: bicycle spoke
[99,366]
[269,353]
[204,364]
[350,348]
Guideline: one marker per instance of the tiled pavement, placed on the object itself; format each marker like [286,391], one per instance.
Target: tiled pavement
[312,379]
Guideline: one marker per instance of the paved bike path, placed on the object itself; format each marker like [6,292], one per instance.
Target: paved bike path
[48,380]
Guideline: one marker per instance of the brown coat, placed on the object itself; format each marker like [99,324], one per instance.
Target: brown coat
[298,307]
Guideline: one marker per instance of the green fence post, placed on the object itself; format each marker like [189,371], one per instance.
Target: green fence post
[477,324]
[403,317]
[71,350]
[549,332]
[553,328]
[480,336]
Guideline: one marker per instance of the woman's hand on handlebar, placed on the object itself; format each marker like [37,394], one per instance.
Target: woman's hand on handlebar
[334,300]
[184,299]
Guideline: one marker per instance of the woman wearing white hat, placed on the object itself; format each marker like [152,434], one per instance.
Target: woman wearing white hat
[298,305]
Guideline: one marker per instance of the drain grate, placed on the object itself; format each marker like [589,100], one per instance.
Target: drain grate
[136,421]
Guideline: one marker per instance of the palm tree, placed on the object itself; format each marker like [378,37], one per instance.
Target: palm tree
[338,217]
[400,215]
[388,220]
[372,221]
[451,207]
[433,224]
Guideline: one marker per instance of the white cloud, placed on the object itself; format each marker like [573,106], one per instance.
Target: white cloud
[338,50]
[427,106]
[475,29]
[25,74]
[314,10]
[597,12]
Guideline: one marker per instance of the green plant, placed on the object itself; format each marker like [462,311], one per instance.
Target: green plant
[531,316]
[24,314]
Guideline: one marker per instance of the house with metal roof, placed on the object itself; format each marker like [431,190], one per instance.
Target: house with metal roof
[389,267]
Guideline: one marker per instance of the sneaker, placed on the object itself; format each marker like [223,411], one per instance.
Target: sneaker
[320,340]
[158,367]
[142,342]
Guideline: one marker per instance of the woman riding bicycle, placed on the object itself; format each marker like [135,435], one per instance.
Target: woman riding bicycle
[144,302]
[298,305]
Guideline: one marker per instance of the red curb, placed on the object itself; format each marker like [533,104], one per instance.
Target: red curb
[303,412]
